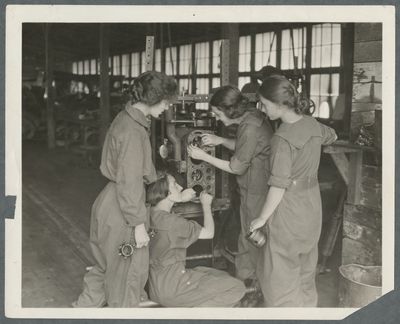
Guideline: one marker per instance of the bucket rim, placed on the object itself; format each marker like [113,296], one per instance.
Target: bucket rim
[360,266]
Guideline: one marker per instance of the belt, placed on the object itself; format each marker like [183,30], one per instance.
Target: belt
[302,184]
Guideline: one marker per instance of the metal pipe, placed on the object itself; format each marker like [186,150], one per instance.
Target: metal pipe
[171,134]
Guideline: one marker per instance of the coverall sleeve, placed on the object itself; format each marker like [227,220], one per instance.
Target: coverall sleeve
[183,232]
[246,143]
[328,134]
[280,163]
[129,180]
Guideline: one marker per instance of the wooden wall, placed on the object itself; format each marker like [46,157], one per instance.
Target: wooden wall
[362,223]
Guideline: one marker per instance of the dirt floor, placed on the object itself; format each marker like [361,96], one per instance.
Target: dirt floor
[58,191]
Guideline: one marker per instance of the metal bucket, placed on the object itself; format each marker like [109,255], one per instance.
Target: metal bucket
[359,285]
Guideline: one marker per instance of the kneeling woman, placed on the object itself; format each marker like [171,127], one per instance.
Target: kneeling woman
[171,284]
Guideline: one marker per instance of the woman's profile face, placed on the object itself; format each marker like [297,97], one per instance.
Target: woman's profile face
[157,109]
[220,115]
[273,110]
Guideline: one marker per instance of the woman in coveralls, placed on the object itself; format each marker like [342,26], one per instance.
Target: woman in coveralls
[119,214]
[249,162]
[292,213]
[170,283]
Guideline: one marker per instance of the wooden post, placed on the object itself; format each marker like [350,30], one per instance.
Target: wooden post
[51,134]
[231,33]
[355,177]
[104,80]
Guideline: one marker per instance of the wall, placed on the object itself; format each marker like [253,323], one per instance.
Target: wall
[362,223]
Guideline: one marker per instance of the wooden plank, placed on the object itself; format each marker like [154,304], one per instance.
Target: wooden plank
[369,92]
[355,173]
[231,33]
[51,133]
[364,216]
[356,252]
[369,237]
[368,51]
[104,80]
[149,53]
[365,106]
[367,32]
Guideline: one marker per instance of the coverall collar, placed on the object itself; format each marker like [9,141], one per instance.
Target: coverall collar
[299,132]
[138,116]
[253,117]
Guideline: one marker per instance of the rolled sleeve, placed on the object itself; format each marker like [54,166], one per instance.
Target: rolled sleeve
[184,232]
[129,179]
[280,163]
[246,144]
[328,135]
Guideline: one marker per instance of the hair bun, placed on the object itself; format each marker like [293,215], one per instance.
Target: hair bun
[302,105]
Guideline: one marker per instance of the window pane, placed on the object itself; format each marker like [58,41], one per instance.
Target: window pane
[116,65]
[185,59]
[75,68]
[157,65]
[185,85]
[93,66]
[80,67]
[202,86]
[242,81]
[135,64]
[202,58]
[216,82]
[143,69]
[326,45]
[244,53]
[125,65]
[216,56]
[170,66]
[324,92]
[86,67]
[263,55]
[298,43]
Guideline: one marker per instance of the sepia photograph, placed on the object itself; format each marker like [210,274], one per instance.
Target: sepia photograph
[206,157]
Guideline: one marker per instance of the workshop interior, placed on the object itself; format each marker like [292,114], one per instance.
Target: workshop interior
[76,78]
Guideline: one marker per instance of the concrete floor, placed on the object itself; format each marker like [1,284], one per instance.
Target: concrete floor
[58,192]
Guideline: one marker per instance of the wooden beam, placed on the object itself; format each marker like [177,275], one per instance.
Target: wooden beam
[104,80]
[51,134]
[231,33]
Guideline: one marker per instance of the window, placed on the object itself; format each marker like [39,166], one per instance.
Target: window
[170,61]
[202,58]
[143,68]
[135,64]
[324,93]
[265,51]
[242,81]
[80,67]
[244,53]
[293,48]
[185,59]
[185,85]
[74,67]
[202,87]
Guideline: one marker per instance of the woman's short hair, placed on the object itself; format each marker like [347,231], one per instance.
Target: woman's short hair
[231,101]
[281,91]
[158,190]
[152,87]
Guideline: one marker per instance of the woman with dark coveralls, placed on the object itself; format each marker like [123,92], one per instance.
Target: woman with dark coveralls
[292,213]
[119,213]
[170,283]
[249,162]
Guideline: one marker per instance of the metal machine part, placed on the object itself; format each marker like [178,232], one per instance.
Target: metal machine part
[200,175]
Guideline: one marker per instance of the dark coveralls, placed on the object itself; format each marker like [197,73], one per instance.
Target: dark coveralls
[126,162]
[288,263]
[250,162]
[171,284]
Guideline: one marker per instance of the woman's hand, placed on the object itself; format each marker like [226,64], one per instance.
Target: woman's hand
[257,223]
[211,140]
[141,236]
[206,199]
[188,195]
[196,153]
